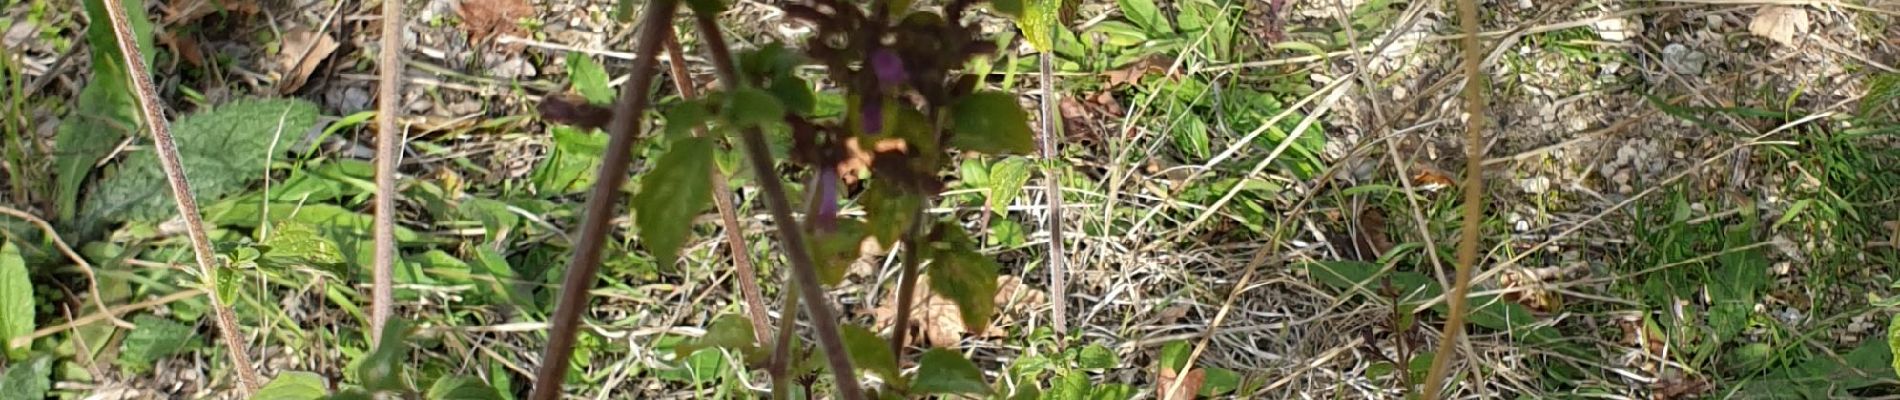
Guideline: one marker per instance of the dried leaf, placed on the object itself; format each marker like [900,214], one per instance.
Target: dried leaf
[485,18]
[1782,24]
[1190,385]
[941,322]
[185,11]
[1371,239]
[302,51]
[1429,178]
[572,109]
[185,46]
[1132,73]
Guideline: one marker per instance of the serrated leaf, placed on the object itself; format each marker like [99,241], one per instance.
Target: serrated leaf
[942,371]
[226,280]
[683,117]
[569,167]
[1097,357]
[16,300]
[223,151]
[462,388]
[752,107]
[297,242]
[730,332]
[1006,179]
[968,278]
[871,353]
[835,250]
[154,339]
[589,78]
[992,123]
[888,210]
[672,195]
[294,385]
[105,111]
[28,380]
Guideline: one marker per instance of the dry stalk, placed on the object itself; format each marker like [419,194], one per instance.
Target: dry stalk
[151,111]
[1474,201]
[388,142]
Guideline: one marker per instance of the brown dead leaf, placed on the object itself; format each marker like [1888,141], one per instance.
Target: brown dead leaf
[1676,385]
[1371,239]
[1132,73]
[301,52]
[1084,118]
[1782,24]
[185,46]
[485,18]
[937,320]
[1531,289]
[572,109]
[1189,387]
[1429,178]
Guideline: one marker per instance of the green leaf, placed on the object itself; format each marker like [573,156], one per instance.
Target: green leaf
[1739,276]
[16,300]
[1011,8]
[835,250]
[294,385]
[1041,19]
[992,123]
[871,353]
[105,111]
[28,380]
[752,107]
[589,78]
[1007,233]
[461,388]
[942,371]
[683,117]
[1174,355]
[1006,179]
[383,368]
[1073,385]
[226,281]
[1147,15]
[795,93]
[889,211]
[296,242]
[1219,381]
[968,278]
[1190,137]
[707,7]
[672,195]
[499,280]
[155,339]
[569,166]
[1121,34]
[223,151]
[1097,357]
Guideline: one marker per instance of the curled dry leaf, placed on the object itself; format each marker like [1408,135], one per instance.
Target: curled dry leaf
[483,19]
[301,52]
[938,319]
[1530,288]
[1782,24]
[1132,73]
[1165,389]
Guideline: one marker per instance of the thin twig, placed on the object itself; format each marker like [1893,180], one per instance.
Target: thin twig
[388,140]
[146,94]
[792,239]
[907,282]
[1474,201]
[103,314]
[92,279]
[722,200]
[629,117]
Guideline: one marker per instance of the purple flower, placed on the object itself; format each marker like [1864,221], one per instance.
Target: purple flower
[889,69]
[871,115]
[827,217]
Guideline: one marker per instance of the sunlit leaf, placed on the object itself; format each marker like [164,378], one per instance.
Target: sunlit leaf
[968,278]
[383,368]
[1146,14]
[293,385]
[871,353]
[671,195]
[589,78]
[154,339]
[461,388]
[1097,357]
[1006,179]
[16,299]
[223,151]
[889,211]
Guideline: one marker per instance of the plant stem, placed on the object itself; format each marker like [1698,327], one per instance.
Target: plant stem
[388,141]
[804,273]
[146,94]
[629,116]
[1052,182]
[782,351]
[1474,202]
[907,281]
[722,200]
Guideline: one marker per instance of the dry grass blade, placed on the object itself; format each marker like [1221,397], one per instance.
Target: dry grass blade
[1473,202]
[629,116]
[1051,150]
[150,110]
[388,142]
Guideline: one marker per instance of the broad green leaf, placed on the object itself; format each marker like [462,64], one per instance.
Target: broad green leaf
[383,368]
[968,278]
[1113,391]
[462,388]
[1147,15]
[1893,342]
[683,117]
[226,281]
[1007,233]
[1041,19]
[1174,354]
[223,151]
[496,279]
[16,300]
[992,123]
[105,111]
[751,107]
[871,353]
[28,380]
[730,332]
[1739,276]
[1097,357]
[1010,8]
[293,241]
[589,78]
[889,211]
[1121,34]
[154,339]
[569,166]
[835,250]
[795,93]
[1219,381]
[1073,385]
[294,385]
[351,393]
[1190,137]
[672,195]
[1006,179]
[942,371]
